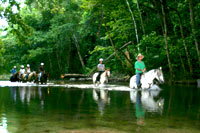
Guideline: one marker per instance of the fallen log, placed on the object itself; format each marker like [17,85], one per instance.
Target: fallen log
[74,76]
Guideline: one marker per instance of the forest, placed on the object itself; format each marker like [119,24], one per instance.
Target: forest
[69,36]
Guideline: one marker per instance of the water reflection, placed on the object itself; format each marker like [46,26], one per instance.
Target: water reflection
[140,112]
[41,96]
[148,100]
[102,98]
[24,94]
[13,93]
[3,124]
[36,109]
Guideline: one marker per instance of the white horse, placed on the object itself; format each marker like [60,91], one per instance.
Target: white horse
[103,78]
[147,79]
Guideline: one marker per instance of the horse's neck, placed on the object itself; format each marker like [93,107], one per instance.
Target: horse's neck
[104,74]
[150,74]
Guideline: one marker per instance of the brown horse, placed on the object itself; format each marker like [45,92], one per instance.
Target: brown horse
[23,78]
[32,76]
[14,77]
[43,78]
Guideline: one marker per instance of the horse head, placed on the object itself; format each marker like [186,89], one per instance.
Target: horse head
[107,72]
[17,75]
[159,75]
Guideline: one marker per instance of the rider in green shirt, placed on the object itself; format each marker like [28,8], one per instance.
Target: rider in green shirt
[139,69]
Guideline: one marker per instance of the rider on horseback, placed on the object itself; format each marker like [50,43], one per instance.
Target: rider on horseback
[41,70]
[100,68]
[13,71]
[140,69]
[21,71]
[28,71]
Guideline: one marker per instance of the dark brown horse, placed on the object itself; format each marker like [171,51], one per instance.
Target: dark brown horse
[15,77]
[43,78]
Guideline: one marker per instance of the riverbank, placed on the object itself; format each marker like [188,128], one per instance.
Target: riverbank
[5,77]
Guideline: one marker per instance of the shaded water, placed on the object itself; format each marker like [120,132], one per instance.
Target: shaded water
[43,109]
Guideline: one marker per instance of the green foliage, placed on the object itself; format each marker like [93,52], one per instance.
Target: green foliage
[96,54]
[152,46]
[43,31]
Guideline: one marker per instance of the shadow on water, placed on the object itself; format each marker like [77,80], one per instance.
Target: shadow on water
[53,109]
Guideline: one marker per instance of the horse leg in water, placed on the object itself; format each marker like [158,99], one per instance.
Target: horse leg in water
[132,83]
[94,79]
[44,78]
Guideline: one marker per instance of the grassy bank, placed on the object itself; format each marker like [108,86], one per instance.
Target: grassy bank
[5,77]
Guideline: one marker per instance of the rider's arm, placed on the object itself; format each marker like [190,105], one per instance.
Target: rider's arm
[139,69]
[103,67]
[144,68]
[98,67]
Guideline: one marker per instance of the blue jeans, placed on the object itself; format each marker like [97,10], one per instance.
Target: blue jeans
[138,77]
[40,75]
[27,75]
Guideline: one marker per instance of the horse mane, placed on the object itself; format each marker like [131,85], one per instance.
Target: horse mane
[105,73]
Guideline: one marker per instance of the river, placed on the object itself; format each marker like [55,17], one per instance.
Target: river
[64,107]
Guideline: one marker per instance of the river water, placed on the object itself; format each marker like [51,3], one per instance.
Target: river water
[80,107]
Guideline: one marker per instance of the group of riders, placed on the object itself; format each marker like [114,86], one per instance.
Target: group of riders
[140,68]
[26,74]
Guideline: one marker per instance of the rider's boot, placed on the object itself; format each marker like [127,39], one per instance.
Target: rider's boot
[139,86]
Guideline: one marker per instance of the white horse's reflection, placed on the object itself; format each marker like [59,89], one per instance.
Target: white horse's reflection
[148,101]
[22,93]
[102,98]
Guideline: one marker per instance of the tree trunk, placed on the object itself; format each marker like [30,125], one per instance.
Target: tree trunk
[142,24]
[128,64]
[184,43]
[121,48]
[166,41]
[68,56]
[154,3]
[115,49]
[193,29]
[182,63]
[78,50]
[58,60]
[134,22]
[116,52]
[99,29]
[57,54]
[50,62]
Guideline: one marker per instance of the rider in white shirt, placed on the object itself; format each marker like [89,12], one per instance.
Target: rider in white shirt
[100,68]
[28,70]
[21,71]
